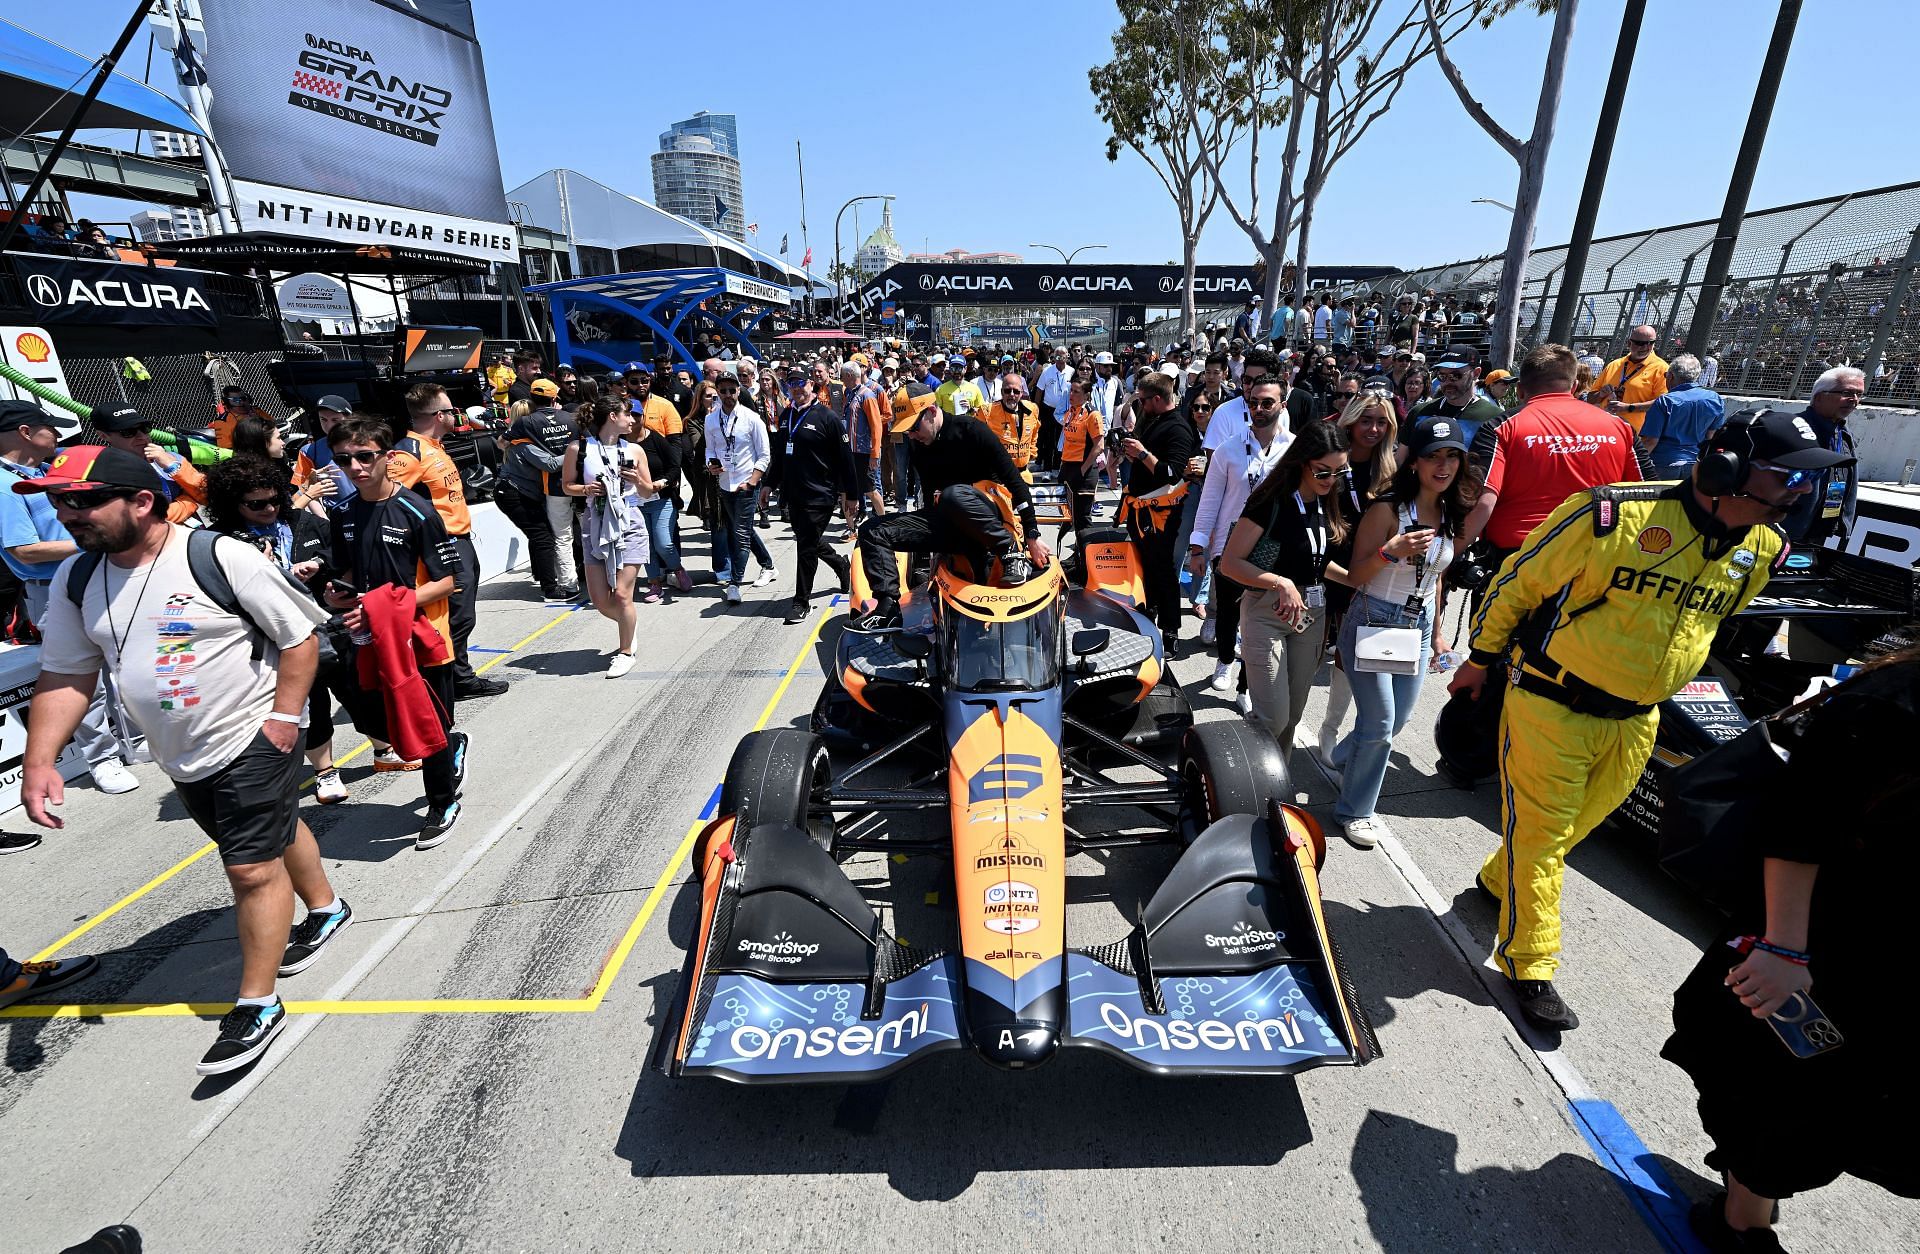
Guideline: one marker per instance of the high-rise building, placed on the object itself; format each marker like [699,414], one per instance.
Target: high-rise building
[167,225]
[881,249]
[696,173]
[174,145]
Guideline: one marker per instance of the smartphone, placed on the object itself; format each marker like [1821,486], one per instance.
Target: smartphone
[342,587]
[1804,1028]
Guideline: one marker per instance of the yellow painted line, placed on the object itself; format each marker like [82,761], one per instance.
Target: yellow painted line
[209,847]
[445,1005]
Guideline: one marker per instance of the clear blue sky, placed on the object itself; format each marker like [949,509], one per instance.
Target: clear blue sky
[992,142]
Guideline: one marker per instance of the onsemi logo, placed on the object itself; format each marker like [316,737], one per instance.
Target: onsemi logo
[782,948]
[1186,1035]
[823,1042]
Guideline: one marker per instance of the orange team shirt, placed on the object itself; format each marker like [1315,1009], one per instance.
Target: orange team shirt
[431,465]
[1020,436]
[1083,433]
[192,484]
[1644,381]
[659,415]
[222,427]
[1554,446]
[879,415]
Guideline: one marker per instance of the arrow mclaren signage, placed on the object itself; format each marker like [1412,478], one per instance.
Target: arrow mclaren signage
[113,293]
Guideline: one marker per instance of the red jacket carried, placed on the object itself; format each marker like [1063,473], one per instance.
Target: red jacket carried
[404,640]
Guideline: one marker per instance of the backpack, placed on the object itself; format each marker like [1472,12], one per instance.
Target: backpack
[207,573]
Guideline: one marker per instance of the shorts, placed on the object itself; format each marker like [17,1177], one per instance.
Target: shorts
[632,553]
[249,808]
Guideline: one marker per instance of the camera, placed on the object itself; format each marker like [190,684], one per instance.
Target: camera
[1114,439]
[1468,575]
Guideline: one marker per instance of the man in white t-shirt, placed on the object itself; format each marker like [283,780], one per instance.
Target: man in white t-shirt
[1230,421]
[217,680]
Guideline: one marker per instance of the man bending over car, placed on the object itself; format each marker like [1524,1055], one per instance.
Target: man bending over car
[972,492]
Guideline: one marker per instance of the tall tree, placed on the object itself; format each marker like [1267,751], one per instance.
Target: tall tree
[1530,154]
[1154,96]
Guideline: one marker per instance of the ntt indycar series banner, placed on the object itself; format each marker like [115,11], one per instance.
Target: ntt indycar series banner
[368,123]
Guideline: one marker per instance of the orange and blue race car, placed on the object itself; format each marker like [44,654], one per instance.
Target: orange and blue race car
[1007,716]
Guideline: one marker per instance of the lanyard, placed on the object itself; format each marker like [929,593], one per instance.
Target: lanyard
[1316,530]
[1409,521]
[1261,461]
[795,416]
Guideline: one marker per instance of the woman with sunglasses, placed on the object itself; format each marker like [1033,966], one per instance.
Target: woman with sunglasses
[1082,441]
[1401,551]
[1199,406]
[1278,551]
[608,472]
[248,498]
[1374,454]
[1236,468]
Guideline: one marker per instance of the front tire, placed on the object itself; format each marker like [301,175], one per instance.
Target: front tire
[779,776]
[1229,767]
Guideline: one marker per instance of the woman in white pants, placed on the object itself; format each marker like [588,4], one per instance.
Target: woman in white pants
[607,471]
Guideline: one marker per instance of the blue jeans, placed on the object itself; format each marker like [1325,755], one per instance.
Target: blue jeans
[902,474]
[737,533]
[1382,705]
[664,558]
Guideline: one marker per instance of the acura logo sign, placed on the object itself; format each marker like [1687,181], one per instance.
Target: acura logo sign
[926,282]
[1168,283]
[1046,282]
[43,290]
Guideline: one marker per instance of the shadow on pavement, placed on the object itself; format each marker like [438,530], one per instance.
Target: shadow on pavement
[568,662]
[1393,954]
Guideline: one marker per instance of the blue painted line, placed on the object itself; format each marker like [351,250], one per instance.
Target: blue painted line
[708,810]
[474,648]
[1663,1208]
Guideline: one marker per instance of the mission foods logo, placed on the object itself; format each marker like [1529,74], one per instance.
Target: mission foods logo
[347,82]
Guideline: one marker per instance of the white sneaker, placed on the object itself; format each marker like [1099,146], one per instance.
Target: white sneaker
[110,776]
[620,665]
[1364,833]
[766,576]
[1244,703]
[1209,630]
[328,788]
[1236,644]
[732,594]
[1325,759]
[1222,677]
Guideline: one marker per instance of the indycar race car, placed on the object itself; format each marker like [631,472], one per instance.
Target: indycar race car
[1006,714]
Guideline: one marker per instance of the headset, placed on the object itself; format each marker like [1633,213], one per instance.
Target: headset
[1726,458]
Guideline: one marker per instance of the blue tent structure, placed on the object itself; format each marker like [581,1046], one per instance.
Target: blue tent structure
[656,300]
[41,84]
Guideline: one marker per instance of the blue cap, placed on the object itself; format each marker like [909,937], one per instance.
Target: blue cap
[636,367]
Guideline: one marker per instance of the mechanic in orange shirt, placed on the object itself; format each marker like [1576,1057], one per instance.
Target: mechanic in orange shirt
[1016,422]
[1081,443]
[418,461]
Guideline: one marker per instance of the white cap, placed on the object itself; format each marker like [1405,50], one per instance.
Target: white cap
[937,357]
[1103,359]
[1140,344]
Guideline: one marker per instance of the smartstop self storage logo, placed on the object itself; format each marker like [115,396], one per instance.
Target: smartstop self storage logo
[342,80]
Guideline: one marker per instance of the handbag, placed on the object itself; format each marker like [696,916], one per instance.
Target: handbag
[1387,650]
[1265,553]
[1707,808]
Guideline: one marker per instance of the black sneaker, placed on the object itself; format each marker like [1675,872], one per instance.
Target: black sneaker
[245,1034]
[12,842]
[117,1239]
[1541,1006]
[566,592]
[1708,1220]
[457,741]
[845,571]
[439,823]
[798,612]
[883,615]
[480,686]
[310,935]
[1015,570]
[36,978]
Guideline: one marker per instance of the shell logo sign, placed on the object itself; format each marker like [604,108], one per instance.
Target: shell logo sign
[33,347]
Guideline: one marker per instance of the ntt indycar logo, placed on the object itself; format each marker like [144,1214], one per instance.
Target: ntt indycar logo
[1188,1035]
[782,948]
[851,1041]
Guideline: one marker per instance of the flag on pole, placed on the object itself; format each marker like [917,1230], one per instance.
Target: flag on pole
[187,64]
[807,260]
[719,209]
[783,245]
[753,228]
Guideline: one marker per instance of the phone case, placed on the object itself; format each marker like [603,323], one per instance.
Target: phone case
[1804,1028]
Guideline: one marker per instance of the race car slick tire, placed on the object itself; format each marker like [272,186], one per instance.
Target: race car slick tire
[775,777]
[1228,767]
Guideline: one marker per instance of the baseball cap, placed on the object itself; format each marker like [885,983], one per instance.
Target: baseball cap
[17,414]
[125,418]
[891,363]
[637,367]
[937,359]
[544,387]
[1498,376]
[1256,300]
[1456,359]
[1430,434]
[1139,344]
[86,466]
[1778,438]
[1103,359]
[794,374]
[338,404]
[909,402]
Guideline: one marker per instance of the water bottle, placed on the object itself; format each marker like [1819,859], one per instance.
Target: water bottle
[1444,662]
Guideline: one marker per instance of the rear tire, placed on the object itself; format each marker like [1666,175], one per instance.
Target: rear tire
[778,776]
[1228,767]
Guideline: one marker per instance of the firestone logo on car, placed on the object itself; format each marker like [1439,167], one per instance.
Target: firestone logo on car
[750,1041]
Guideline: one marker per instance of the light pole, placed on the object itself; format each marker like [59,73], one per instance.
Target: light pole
[1065,256]
[839,274]
[1488,200]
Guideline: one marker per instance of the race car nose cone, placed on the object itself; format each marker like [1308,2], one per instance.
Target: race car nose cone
[1017,1045]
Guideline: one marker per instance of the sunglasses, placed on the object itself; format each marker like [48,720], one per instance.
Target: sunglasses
[260,502]
[89,498]
[1322,473]
[1641,343]
[361,457]
[139,428]
[1789,478]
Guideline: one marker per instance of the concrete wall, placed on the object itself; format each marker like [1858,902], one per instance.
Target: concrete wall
[1887,437]
[501,546]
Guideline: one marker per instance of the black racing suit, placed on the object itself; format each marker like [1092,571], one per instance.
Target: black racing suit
[960,515]
[812,468]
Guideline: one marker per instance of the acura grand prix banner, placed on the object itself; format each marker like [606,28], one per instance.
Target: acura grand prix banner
[360,121]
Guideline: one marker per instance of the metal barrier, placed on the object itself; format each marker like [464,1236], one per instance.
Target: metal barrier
[179,396]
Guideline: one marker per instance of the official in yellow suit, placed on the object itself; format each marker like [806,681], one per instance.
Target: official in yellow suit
[1609,607]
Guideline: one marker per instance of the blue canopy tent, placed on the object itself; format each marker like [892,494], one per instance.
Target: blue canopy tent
[600,318]
[41,84]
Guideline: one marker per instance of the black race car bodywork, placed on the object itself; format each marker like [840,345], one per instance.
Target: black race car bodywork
[1010,708]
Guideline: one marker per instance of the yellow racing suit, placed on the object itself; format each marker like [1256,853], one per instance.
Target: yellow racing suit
[1607,608]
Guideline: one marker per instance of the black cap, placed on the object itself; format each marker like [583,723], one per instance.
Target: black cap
[794,374]
[1430,434]
[125,418]
[17,414]
[337,403]
[1456,358]
[1777,437]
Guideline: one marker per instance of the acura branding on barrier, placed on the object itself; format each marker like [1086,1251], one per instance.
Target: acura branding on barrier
[966,283]
[118,293]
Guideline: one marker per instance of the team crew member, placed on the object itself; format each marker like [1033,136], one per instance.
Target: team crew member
[738,454]
[1609,608]
[1016,422]
[813,470]
[419,461]
[388,535]
[1628,382]
[225,731]
[965,473]
[183,482]
[531,488]
[1555,446]
[1082,438]
[863,415]
[1160,449]
[317,479]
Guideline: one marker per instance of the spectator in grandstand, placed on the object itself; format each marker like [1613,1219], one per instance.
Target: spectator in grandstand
[1343,318]
[1829,510]
[1709,368]
[1247,326]
[1631,380]
[1675,422]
